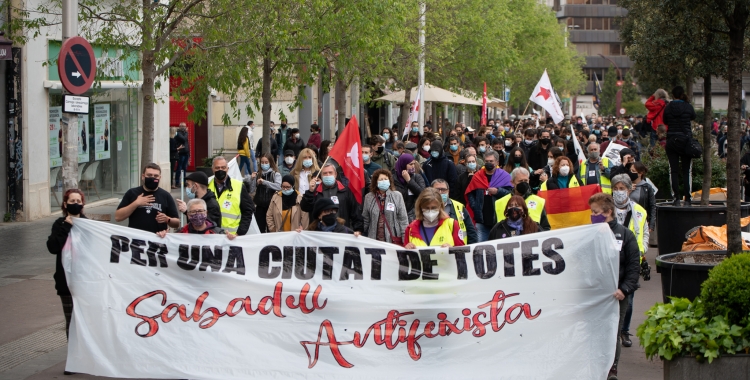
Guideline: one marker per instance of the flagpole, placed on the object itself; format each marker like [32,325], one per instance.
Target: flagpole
[422,11]
[524,113]
[321,168]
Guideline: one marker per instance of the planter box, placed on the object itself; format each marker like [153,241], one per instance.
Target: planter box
[674,222]
[734,367]
[680,279]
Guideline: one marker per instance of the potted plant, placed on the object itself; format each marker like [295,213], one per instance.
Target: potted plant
[709,337]
[208,163]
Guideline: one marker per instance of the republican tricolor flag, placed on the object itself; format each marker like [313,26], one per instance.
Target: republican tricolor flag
[569,207]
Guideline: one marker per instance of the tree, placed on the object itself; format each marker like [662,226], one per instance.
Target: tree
[607,103]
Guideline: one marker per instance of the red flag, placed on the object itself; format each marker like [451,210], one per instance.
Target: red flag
[348,153]
[484,105]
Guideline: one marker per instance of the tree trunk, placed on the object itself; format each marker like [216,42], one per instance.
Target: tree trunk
[707,153]
[405,109]
[734,77]
[689,88]
[147,143]
[266,107]
[70,152]
[341,105]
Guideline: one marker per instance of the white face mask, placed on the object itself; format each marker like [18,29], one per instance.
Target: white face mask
[620,197]
[550,161]
[430,215]
[564,170]
[289,160]
[426,148]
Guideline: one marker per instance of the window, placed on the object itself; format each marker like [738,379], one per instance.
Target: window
[616,49]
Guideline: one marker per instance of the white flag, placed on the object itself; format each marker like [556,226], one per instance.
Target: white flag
[544,96]
[414,112]
[584,118]
[577,145]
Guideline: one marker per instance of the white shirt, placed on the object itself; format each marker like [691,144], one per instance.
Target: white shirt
[304,184]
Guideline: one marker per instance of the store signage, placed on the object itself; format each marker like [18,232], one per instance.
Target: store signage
[76,65]
[76,104]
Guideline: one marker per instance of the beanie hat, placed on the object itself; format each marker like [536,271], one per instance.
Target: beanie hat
[321,205]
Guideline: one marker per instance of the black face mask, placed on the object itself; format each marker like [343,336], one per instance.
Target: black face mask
[380,150]
[151,184]
[74,208]
[220,175]
[329,219]
[633,176]
[523,188]
[544,141]
[514,213]
[489,167]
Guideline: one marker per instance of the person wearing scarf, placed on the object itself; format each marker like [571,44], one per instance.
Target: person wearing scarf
[285,212]
[487,186]
[517,221]
[198,221]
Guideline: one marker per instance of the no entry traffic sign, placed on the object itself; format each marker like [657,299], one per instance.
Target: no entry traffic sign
[76,65]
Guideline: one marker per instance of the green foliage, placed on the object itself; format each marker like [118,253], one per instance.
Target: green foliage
[726,293]
[658,171]
[635,107]
[209,161]
[682,328]
[608,103]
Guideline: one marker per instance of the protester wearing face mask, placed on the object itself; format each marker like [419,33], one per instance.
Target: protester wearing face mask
[408,181]
[551,157]
[148,207]
[325,218]
[326,186]
[370,167]
[383,210]
[596,170]
[424,148]
[413,135]
[315,138]
[643,193]
[288,163]
[537,156]
[305,166]
[389,138]
[198,222]
[440,167]
[534,204]
[516,220]
[563,176]
[294,142]
[457,211]
[603,211]
[379,155]
[72,208]
[432,227]
[454,149]
[196,187]
[285,212]
[264,184]
[237,207]
[626,157]
[471,166]
[516,159]
[528,141]
[487,186]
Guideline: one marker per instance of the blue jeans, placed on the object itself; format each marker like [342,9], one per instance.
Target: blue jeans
[245,162]
[483,233]
[182,162]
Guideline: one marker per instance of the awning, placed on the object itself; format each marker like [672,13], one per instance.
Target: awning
[495,103]
[431,94]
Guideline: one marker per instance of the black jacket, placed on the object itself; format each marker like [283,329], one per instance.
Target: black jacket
[349,209]
[502,230]
[181,138]
[442,168]
[274,148]
[247,207]
[677,117]
[537,157]
[629,258]
[416,184]
[295,147]
[55,243]
[647,200]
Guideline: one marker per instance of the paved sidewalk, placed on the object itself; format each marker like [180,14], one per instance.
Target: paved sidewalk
[32,337]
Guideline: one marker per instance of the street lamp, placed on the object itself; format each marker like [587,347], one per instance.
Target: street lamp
[618,97]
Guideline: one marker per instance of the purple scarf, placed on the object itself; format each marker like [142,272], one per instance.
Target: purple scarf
[403,160]
[500,178]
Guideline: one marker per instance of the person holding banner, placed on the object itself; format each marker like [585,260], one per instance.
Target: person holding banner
[72,208]
[563,176]
[325,218]
[383,210]
[516,220]
[457,211]
[603,211]
[196,187]
[285,212]
[327,186]
[237,208]
[433,227]
[198,222]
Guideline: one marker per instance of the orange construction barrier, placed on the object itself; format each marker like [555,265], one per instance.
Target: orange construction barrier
[711,238]
[716,194]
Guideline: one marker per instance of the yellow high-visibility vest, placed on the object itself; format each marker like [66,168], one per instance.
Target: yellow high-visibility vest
[443,234]
[534,203]
[229,204]
[573,183]
[604,182]
[459,208]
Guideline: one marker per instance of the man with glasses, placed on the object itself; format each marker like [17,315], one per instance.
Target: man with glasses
[148,207]
[457,211]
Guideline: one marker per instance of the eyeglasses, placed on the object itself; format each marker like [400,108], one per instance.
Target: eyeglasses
[193,212]
[441,191]
[286,187]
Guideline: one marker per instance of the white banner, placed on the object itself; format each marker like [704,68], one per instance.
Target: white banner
[325,305]
[613,152]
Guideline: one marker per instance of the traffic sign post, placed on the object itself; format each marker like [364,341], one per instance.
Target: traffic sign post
[622,111]
[76,65]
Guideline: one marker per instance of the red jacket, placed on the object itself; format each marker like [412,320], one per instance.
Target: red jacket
[314,140]
[656,112]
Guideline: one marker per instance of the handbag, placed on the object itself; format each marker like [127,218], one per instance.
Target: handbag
[693,148]
[394,239]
